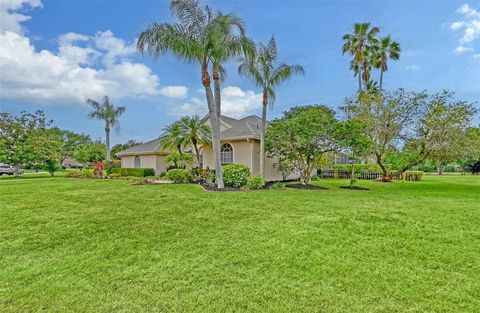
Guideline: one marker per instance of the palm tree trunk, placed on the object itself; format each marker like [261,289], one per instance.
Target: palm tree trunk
[360,82]
[217,93]
[215,125]
[262,134]
[381,80]
[107,139]
[197,154]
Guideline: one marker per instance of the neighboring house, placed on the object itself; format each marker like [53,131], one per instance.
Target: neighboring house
[240,143]
[70,162]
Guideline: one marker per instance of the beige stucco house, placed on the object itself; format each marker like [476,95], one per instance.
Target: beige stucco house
[240,143]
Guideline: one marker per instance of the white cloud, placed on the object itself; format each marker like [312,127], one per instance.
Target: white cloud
[179,92]
[456,25]
[476,56]
[469,25]
[462,49]
[412,67]
[10,19]
[235,103]
[73,73]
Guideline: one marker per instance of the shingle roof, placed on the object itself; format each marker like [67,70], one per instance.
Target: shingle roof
[247,127]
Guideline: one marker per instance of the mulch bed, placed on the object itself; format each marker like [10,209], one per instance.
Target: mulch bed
[208,187]
[354,188]
[305,187]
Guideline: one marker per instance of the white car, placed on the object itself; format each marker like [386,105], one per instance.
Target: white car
[6,169]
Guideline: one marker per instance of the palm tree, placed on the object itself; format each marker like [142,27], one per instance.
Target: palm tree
[194,131]
[198,37]
[357,43]
[386,49]
[106,112]
[263,69]
[172,137]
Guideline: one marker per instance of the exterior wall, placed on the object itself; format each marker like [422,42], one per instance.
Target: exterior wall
[154,161]
[248,153]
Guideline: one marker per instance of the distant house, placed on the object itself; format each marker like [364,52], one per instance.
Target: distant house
[240,143]
[70,162]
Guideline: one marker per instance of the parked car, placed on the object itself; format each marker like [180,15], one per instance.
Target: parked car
[6,169]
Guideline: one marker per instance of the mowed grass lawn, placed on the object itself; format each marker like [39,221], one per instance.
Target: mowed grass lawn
[72,245]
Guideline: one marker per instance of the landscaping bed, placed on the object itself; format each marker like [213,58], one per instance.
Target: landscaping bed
[305,187]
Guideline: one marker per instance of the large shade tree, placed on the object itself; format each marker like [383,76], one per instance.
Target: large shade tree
[266,72]
[206,39]
[360,43]
[108,113]
[302,136]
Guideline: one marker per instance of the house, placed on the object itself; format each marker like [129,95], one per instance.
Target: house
[70,162]
[239,140]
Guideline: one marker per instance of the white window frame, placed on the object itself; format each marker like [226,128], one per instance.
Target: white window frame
[222,154]
[137,161]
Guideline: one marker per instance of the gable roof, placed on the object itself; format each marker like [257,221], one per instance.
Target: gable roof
[245,128]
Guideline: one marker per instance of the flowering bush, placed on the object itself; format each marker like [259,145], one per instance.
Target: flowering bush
[98,168]
[255,182]
[236,175]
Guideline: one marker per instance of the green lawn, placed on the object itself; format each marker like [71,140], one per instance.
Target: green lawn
[32,175]
[104,246]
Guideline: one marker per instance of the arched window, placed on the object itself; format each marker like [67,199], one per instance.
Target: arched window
[136,162]
[226,154]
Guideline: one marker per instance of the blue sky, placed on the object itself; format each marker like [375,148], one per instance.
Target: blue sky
[54,54]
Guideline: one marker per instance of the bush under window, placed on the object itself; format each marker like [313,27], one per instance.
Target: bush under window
[236,175]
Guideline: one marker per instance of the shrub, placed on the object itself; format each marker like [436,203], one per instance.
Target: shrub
[277,185]
[179,176]
[73,174]
[98,168]
[114,175]
[236,175]
[255,182]
[112,164]
[116,170]
[472,166]
[137,172]
[87,172]
[413,175]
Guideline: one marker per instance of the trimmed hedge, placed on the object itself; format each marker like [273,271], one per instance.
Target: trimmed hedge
[137,172]
[179,176]
[115,170]
[236,175]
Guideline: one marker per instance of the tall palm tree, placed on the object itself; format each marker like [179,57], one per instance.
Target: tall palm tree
[198,37]
[106,112]
[357,43]
[263,69]
[194,132]
[386,49]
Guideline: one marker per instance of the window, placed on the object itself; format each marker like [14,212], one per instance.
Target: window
[226,154]
[136,161]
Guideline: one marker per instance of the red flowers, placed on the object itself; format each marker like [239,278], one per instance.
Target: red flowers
[98,168]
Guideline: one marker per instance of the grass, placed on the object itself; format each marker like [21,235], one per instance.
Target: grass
[72,245]
[32,176]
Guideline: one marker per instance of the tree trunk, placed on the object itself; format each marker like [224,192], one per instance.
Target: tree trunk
[381,80]
[262,134]
[412,164]
[360,81]
[382,167]
[197,154]
[217,94]
[107,139]
[352,177]
[440,168]
[17,170]
[215,126]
